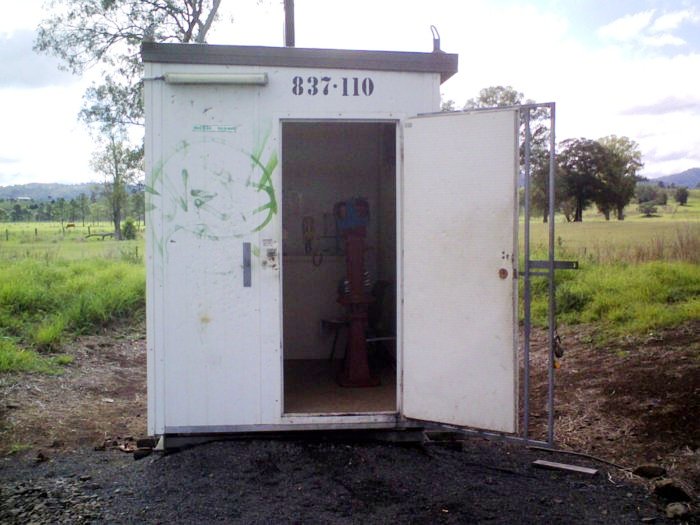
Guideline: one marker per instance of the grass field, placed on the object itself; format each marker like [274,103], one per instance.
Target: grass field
[56,283]
[672,235]
[49,242]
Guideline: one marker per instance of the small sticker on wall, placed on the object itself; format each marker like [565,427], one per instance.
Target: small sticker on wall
[207,128]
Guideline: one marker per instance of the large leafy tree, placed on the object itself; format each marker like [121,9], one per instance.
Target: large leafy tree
[496,96]
[107,34]
[619,178]
[582,163]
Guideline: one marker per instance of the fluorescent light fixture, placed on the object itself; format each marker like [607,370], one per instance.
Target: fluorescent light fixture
[253,79]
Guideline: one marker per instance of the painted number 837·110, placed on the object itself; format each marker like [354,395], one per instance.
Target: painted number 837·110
[346,86]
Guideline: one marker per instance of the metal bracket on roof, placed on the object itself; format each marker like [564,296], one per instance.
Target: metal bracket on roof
[436,39]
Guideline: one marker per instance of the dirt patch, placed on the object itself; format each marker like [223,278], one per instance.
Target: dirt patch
[629,402]
[102,395]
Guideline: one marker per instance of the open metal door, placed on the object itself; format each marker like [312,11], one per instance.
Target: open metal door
[459,260]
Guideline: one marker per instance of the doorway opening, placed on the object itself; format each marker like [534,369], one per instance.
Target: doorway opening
[327,168]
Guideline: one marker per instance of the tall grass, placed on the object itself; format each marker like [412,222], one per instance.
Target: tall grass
[627,289]
[624,299]
[43,305]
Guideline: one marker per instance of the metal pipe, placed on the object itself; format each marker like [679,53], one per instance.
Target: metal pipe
[552,299]
[488,435]
[526,283]
[289,36]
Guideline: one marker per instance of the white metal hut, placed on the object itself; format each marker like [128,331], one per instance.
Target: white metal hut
[247,151]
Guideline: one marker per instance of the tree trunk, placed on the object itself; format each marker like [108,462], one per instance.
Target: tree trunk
[620,213]
[116,218]
[578,215]
[116,193]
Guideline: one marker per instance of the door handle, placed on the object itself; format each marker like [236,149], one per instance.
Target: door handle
[247,267]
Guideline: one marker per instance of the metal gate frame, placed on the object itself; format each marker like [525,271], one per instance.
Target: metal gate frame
[546,268]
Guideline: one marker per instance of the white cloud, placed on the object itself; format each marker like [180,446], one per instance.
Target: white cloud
[646,29]
[666,105]
[663,40]
[671,21]
[627,27]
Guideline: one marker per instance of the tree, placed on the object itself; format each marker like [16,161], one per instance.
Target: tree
[447,105]
[61,209]
[84,205]
[73,208]
[120,164]
[138,205]
[496,96]
[619,177]
[85,33]
[648,208]
[18,213]
[582,162]
[47,214]
[681,196]
[647,193]
[129,230]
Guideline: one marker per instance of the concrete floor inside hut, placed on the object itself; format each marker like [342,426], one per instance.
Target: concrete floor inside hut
[310,387]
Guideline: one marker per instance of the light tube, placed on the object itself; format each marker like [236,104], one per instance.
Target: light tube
[254,79]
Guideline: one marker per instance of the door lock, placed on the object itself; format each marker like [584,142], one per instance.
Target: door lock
[271,259]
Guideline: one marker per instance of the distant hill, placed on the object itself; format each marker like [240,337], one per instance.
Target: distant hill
[688,178]
[44,192]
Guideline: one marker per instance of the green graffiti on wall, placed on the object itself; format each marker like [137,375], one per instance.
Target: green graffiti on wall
[265,184]
[214,204]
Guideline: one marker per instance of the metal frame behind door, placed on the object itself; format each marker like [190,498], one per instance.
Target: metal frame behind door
[545,268]
[527,273]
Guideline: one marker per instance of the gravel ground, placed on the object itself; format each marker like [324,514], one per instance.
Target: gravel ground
[303,481]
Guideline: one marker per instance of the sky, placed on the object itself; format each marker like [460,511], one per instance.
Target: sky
[622,67]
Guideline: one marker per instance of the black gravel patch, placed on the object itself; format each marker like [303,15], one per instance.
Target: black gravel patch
[290,481]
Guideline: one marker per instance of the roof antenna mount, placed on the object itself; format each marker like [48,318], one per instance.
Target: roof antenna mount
[436,39]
